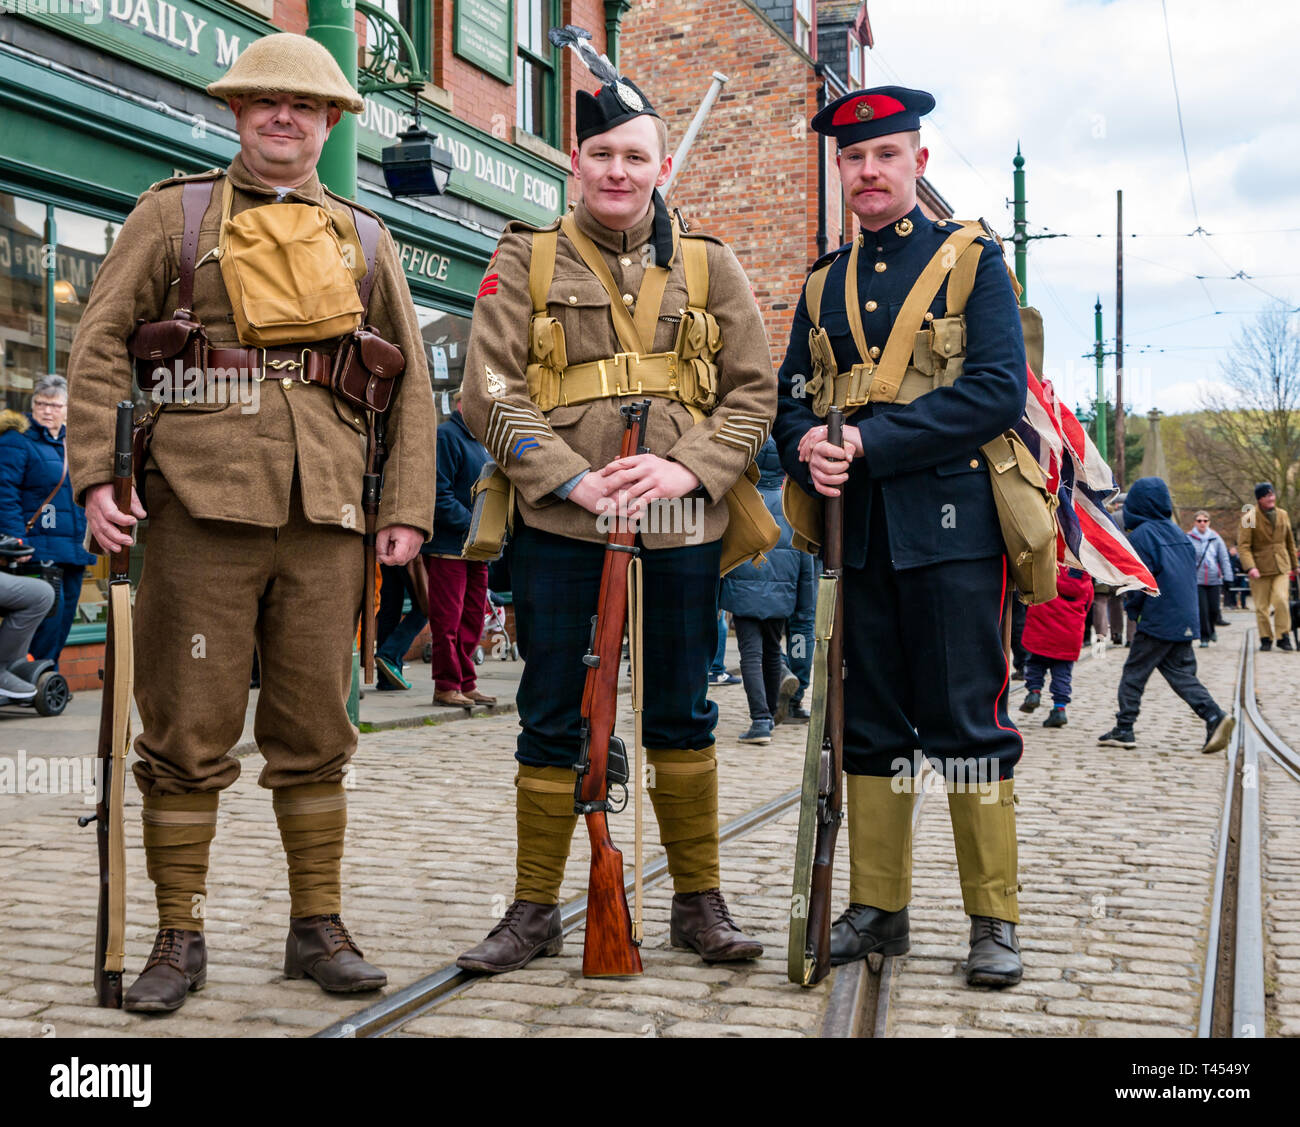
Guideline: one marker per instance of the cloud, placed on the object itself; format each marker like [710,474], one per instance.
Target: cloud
[1085,88]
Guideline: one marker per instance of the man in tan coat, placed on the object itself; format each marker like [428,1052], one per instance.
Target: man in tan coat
[1267,549]
[254,505]
[608,321]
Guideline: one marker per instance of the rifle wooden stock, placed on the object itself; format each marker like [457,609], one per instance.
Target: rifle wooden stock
[114,739]
[608,946]
[809,953]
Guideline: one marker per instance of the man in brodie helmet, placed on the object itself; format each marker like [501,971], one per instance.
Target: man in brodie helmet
[551,420]
[925,577]
[254,502]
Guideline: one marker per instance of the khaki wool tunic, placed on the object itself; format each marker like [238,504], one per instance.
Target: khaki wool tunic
[561,443]
[255,515]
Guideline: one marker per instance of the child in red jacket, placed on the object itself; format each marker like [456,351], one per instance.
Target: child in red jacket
[1054,636]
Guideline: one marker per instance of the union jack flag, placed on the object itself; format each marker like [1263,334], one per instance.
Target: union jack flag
[1087,536]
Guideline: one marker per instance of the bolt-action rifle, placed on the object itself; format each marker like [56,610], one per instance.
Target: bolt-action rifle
[114,740]
[821,807]
[372,491]
[609,947]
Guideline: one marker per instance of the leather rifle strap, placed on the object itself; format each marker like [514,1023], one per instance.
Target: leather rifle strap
[195,199]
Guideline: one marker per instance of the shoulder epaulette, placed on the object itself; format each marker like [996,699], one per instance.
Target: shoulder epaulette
[702,235]
[988,236]
[519,227]
[352,203]
[827,259]
[207,174]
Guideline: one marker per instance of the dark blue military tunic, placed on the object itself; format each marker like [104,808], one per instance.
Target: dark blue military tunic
[925,571]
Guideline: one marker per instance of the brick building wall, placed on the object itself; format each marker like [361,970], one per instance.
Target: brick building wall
[752,177]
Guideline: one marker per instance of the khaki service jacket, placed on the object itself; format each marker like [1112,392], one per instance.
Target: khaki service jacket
[540,451]
[1269,546]
[223,461]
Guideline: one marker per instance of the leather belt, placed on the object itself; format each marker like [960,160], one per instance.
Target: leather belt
[301,365]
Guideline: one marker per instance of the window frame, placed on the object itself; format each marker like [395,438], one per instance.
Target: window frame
[548,69]
[803,18]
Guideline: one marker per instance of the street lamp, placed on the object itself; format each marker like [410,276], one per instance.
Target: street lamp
[415,166]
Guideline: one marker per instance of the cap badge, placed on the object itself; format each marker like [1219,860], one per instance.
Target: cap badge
[864,110]
[629,97]
[903,227]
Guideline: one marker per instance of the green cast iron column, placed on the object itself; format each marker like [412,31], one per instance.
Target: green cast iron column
[332,24]
[1021,239]
[51,264]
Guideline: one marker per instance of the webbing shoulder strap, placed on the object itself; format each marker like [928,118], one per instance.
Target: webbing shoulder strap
[196,196]
[541,267]
[624,327]
[696,262]
[892,368]
[649,302]
[813,290]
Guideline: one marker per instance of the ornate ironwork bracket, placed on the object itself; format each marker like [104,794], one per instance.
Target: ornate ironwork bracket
[390,61]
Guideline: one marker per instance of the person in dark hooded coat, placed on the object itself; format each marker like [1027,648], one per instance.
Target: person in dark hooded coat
[1166,624]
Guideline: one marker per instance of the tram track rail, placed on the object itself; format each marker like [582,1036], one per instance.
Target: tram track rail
[388,1015]
[1233,994]
[858,1005]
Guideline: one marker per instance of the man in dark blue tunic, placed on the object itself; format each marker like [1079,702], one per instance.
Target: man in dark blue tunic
[925,579]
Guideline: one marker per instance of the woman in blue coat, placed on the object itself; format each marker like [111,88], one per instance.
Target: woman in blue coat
[36,502]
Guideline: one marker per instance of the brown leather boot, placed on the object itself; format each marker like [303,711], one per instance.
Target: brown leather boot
[525,931]
[701,922]
[177,965]
[320,947]
[452,698]
[480,698]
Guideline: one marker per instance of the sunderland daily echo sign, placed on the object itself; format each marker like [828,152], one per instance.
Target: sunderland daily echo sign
[196,41]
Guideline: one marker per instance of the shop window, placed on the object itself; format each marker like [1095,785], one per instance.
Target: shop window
[537,102]
[803,20]
[43,280]
[446,339]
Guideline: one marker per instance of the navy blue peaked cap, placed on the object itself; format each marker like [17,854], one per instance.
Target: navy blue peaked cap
[864,114]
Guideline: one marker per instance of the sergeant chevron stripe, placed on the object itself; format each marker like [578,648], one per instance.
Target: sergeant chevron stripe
[514,430]
[746,432]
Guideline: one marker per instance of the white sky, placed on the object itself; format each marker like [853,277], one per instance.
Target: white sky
[1085,87]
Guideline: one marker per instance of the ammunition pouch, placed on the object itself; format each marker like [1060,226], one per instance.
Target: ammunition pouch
[492,506]
[366,370]
[549,358]
[156,347]
[698,341]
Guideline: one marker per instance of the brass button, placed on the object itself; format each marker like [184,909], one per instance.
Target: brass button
[880,267]
[974,463]
[929,316]
[870,307]
[625,261]
[627,299]
[875,352]
[286,383]
[942,223]
[573,299]
[356,422]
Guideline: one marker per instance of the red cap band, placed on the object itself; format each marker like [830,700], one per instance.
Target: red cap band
[867,108]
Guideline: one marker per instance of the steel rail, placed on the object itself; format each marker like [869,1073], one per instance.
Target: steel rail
[394,1011]
[1233,992]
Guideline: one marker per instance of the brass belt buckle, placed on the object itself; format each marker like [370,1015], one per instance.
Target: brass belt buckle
[624,360]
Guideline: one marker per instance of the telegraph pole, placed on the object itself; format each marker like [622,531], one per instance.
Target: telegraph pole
[332,23]
[1099,353]
[1119,336]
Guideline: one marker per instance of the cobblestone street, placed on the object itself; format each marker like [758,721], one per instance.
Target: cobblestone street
[1117,858]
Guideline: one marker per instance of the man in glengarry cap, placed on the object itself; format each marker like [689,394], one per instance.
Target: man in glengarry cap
[254,514]
[551,420]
